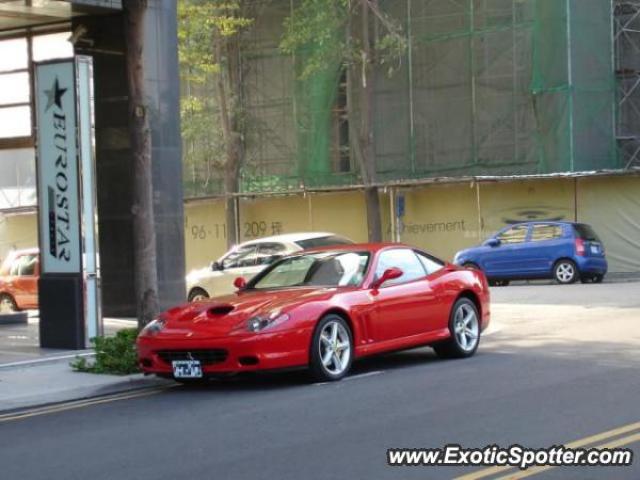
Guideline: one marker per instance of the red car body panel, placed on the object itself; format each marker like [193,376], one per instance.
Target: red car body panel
[389,318]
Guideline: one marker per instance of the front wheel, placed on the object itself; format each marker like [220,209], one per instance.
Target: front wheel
[464,326]
[198,295]
[565,272]
[331,349]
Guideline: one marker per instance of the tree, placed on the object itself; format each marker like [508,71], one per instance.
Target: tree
[355,35]
[144,235]
[209,50]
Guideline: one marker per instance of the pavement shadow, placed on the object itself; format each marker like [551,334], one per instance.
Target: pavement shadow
[250,381]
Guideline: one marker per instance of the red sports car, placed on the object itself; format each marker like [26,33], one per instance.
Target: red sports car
[322,309]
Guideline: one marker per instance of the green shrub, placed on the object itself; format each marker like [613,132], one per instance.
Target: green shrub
[114,355]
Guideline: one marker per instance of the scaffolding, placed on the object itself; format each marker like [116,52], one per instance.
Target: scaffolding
[485,87]
[627,40]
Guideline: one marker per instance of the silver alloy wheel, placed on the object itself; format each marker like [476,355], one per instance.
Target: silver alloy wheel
[565,272]
[334,347]
[466,327]
[7,305]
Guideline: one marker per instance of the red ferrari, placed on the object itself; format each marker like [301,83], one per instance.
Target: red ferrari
[322,309]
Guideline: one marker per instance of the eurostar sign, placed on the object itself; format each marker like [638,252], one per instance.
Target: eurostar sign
[57,162]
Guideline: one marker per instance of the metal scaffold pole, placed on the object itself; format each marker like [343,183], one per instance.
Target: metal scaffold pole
[626,33]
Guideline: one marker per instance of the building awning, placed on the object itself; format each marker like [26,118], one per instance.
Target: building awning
[20,14]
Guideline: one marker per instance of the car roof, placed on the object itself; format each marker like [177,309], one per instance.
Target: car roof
[359,247]
[543,222]
[25,251]
[291,237]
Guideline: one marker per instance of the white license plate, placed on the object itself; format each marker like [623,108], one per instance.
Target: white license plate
[187,369]
[595,249]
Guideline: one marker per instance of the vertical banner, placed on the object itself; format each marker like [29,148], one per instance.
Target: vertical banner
[58,189]
[67,204]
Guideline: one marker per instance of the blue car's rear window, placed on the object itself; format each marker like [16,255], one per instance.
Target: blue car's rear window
[585,232]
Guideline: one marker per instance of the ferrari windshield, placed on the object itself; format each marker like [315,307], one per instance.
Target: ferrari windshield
[322,269]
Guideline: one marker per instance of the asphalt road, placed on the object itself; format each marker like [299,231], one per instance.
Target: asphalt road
[559,364]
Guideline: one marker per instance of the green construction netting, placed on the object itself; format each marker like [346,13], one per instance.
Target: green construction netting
[485,87]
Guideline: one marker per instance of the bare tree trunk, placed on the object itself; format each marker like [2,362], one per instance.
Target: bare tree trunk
[144,237]
[374,223]
[228,88]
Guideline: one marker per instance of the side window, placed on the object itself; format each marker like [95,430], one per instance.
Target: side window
[541,233]
[28,265]
[517,234]
[404,259]
[430,264]
[270,252]
[241,257]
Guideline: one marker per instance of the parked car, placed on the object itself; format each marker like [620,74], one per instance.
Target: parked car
[249,258]
[19,281]
[322,309]
[564,251]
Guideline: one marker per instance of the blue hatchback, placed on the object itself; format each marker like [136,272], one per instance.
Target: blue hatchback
[561,250]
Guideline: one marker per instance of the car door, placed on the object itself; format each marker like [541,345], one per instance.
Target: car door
[509,257]
[24,280]
[401,306]
[544,242]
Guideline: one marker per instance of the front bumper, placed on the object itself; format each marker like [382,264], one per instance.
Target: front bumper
[250,352]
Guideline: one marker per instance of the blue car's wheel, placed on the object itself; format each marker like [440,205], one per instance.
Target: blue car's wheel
[565,271]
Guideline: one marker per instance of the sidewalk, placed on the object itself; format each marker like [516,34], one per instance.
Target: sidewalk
[47,381]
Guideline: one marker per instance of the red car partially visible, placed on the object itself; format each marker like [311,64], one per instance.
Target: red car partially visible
[19,281]
[322,309]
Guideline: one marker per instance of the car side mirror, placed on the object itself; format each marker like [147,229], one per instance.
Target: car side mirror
[216,266]
[492,242]
[240,283]
[389,274]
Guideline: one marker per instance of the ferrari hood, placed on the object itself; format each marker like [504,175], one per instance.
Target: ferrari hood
[223,315]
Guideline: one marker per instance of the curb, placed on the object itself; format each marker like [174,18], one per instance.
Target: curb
[46,360]
[129,384]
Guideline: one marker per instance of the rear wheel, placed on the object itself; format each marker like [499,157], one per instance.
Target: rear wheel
[198,295]
[464,326]
[565,272]
[7,304]
[331,349]
[596,278]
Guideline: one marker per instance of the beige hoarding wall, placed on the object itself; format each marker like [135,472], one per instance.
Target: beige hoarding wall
[441,219]
[502,204]
[343,213]
[612,206]
[17,232]
[204,232]
[263,217]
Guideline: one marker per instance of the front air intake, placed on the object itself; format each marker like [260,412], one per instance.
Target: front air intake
[220,310]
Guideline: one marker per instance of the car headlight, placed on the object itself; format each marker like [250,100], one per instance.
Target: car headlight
[153,326]
[260,322]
